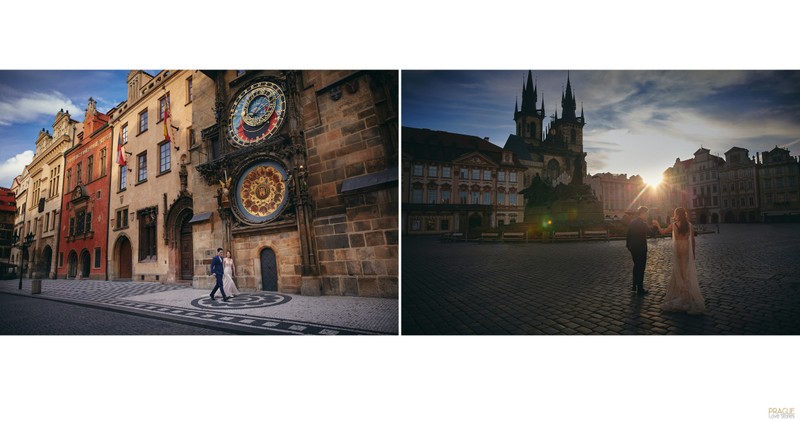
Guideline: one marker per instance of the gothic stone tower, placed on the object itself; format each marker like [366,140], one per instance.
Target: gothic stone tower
[555,154]
[529,119]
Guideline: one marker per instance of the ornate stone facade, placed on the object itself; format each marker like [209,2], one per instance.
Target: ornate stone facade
[306,191]
[83,232]
[43,202]
[458,183]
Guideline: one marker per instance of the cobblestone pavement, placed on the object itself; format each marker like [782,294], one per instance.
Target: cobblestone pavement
[749,276]
[247,313]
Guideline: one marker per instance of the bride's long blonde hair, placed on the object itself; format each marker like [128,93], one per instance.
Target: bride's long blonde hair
[683,226]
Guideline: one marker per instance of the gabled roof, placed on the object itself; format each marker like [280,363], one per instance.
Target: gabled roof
[736,149]
[431,145]
[516,144]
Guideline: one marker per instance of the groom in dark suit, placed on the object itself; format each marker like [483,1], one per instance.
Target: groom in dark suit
[216,269]
[637,245]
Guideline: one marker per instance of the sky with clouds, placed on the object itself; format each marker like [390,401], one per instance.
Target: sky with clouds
[30,100]
[637,122]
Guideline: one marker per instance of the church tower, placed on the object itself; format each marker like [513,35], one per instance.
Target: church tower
[529,119]
[568,130]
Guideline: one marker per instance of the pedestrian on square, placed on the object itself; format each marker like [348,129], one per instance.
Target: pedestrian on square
[216,269]
[227,276]
[637,244]
[683,291]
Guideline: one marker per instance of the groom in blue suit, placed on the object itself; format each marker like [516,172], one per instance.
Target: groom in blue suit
[638,230]
[216,269]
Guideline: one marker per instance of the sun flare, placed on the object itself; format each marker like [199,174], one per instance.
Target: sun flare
[653,182]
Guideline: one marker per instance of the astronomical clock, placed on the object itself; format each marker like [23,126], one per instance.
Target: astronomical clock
[260,189]
[256,114]
[261,192]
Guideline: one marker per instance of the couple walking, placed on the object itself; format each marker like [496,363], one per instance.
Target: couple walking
[224,270]
[683,291]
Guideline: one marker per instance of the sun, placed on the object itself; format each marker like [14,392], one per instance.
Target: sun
[653,182]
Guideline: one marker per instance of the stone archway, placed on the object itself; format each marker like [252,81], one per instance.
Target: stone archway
[85,264]
[269,270]
[123,256]
[72,264]
[186,248]
[47,260]
[178,239]
[714,218]
[729,217]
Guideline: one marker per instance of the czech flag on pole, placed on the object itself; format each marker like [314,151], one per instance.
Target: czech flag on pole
[121,152]
[167,120]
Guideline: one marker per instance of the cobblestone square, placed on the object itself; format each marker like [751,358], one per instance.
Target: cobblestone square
[749,276]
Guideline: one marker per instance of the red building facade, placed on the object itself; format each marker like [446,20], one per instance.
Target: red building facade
[84,218]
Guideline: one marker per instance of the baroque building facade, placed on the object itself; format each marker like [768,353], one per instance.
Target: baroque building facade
[673,191]
[779,188]
[303,169]
[458,183]
[82,235]
[46,191]
[704,185]
[619,194]
[739,187]
[149,235]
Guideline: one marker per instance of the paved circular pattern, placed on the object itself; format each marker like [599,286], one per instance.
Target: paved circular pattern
[255,300]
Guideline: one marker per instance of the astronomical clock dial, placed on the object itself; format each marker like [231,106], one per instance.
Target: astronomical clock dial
[262,192]
[256,114]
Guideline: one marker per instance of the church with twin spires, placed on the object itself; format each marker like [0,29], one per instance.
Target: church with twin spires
[554,153]
[461,183]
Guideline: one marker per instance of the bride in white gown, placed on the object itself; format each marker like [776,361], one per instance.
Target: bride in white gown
[683,291]
[229,271]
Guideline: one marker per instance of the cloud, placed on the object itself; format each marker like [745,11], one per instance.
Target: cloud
[33,105]
[13,167]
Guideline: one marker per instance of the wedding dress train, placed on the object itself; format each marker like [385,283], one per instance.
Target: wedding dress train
[683,291]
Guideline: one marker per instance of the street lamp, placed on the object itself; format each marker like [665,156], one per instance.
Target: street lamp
[23,246]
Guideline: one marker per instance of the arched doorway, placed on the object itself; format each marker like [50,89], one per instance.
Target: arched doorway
[729,218]
[124,258]
[742,216]
[714,218]
[269,270]
[47,257]
[475,221]
[72,264]
[186,248]
[86,264]
[703,219]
